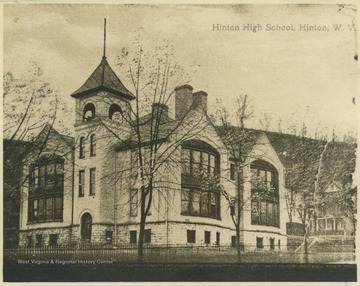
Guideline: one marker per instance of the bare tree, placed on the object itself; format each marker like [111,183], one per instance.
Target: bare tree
[239,142]
[153,136]
[30,104]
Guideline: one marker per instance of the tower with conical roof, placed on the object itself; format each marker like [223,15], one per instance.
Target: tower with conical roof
[102,104]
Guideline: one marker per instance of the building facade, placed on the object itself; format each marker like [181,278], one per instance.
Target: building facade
[85,190]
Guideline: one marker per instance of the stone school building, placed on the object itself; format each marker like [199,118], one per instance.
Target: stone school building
[86,189]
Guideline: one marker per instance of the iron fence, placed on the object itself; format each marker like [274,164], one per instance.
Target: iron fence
[68,254]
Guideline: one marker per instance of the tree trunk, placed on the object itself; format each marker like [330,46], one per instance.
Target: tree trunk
[142,226]
[238,214]
[306,245]
[238,250]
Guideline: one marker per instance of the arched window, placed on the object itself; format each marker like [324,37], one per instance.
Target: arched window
[46,187]
[89,112]
[199,163]
[82,148]
[86,226]
[265,193]
[92,145]
[115,112]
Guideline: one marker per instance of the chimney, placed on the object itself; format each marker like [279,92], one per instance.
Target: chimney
[200,101]
[183,100]
[160,109]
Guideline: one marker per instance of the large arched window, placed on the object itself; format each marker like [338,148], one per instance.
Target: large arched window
[115,112]
[199,164]
[46,187]
[265,194]
[89,112]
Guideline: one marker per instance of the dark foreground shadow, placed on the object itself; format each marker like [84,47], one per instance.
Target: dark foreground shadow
[137,272]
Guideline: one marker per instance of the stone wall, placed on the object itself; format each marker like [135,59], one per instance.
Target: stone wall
[63,236]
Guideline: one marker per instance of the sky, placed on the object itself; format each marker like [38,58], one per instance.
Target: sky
[294,76]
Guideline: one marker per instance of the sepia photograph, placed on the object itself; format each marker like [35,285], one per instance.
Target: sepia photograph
[180,142]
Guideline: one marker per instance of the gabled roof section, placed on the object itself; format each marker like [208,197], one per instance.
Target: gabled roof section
[233,137]
[165,130]
[50,132]
[104,79]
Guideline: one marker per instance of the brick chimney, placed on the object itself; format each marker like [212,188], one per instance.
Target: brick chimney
[200,101]
[183,100]
[160,108]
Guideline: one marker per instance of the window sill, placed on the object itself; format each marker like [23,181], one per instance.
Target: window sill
[202,216]
[45,221]
[258,224]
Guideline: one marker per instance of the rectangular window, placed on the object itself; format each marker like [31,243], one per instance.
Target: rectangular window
[269,181]
[217,238]
[82,148]
[133,236]
[147,235]
[214,203]
[31,211]
[270,214]
[321,224]
[276,215]
[109,236]
[92,145]
[38,239]
[185,201]
[196,162]
[185,161]
[339,224]
[330,224]
[232,171]
[81,183]
[254,178]
[195,203]
[205,203]
[272,243]
[134,202]
[205,162]
[259,243]
[207,235]
[58,208]
[212,167]
[204,207]
[42,177]
[263,213]
[262,175]
[92,181]
[191,236]
[53,239]
[49,209]
[35,179]
[254,212]
[41,210]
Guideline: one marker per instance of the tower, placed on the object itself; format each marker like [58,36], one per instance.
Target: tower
[102,107]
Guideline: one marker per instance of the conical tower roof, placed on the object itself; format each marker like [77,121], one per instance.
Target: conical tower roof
[104,79]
